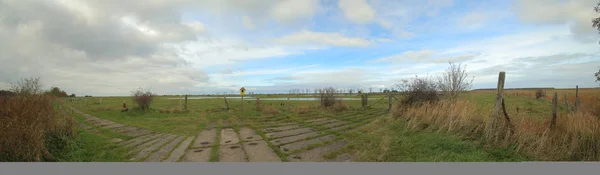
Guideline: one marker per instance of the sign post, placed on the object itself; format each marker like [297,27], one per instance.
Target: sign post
[242,93]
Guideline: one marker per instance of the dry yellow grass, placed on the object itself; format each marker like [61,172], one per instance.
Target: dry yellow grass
[576,137]
[26,122]
[270,110]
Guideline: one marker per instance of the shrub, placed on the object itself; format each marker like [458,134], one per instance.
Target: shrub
[143,98]
[270,110]
[539,94]
[328,97]
[301,109]
[31,129]
[340,106]
[418,91]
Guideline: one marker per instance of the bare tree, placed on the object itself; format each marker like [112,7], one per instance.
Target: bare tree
[370,90]
[351,91]
[143,98]
[27,86]
[454,80]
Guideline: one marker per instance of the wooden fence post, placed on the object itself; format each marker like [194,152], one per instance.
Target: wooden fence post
[554,105]
[389,102]
[185,104]
[576,99]
[226,104]
[257,104]
[498,104]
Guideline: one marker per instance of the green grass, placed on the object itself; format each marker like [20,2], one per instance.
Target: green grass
[381,140]
[389,141]
[89,147]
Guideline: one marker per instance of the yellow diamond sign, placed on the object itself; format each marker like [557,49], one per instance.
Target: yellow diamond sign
[242,91]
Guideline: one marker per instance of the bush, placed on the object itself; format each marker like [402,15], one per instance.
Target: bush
[270,110]
[143,98]
[328,97]
[419,91]
[340,106]
[301,109]
[31,129]
[539,94]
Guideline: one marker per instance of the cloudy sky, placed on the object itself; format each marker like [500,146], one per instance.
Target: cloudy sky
[110,47]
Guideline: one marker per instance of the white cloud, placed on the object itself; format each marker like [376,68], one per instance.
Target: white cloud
[320,38]
[408,56]
[472,19]
[248,23]
[357,11]
[575,13]
[291,10]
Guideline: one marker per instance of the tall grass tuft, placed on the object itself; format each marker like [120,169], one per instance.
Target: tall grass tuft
[576,137]
[31,128]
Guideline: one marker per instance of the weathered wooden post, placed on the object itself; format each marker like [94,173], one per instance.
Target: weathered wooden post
[242,106]
[185,106]
[576,99]
[389,102]
[226,103]
[257,104]
[498,105]
[554,105]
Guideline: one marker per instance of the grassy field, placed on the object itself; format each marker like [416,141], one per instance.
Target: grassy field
[381,137]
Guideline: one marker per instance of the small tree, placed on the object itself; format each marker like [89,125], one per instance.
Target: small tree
[143,98]
[596,21]
[454,80]
[328,96]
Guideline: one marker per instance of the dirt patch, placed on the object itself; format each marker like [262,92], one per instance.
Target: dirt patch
[324,122]
[197,155]
[305,143]
[205,138]
[140,140]
[225,124]
[288,132]
[115,140]
[231,153]
[276,124]
[179,151]
[115,125]
[211,125]
[248,134]
[84,126]
[124,129]
[146,151]
[339,128]
[229,137]
[259,151]
[137,132]
[291,139]
[282,128]
[162,152]
[346,157]
[334,124]
[316,120]
[316,154]
[102,122]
